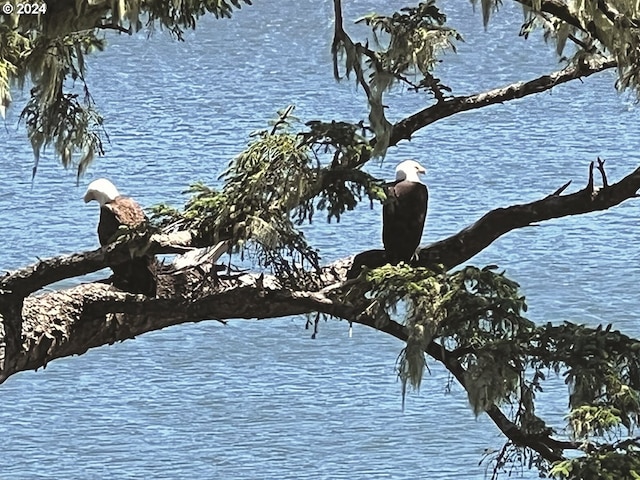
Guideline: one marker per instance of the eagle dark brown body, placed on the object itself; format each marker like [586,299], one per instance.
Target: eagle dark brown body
[404,213]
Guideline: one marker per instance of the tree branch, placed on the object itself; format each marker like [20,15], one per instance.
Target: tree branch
[404,129]
[615,17]
[24,281]
[111,26]
[559,10]
[69,322]
[468,242]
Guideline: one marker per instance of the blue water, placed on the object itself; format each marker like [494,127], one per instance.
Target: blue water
[261,399]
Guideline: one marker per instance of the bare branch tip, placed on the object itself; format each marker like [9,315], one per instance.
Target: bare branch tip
[605,183]
[590,182]
[561,189]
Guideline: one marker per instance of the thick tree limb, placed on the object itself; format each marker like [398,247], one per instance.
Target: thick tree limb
[70,322]
[30,279]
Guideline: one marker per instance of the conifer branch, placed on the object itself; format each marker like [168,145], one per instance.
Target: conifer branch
[404,129]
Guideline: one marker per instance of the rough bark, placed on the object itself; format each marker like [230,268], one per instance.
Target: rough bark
[69,322]
[10,332]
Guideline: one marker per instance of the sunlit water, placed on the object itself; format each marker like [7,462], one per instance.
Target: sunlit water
[261,399]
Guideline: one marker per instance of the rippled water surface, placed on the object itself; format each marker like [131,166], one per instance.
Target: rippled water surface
[261,400]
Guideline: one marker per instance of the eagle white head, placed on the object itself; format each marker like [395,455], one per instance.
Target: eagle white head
[409,170]
[102,191]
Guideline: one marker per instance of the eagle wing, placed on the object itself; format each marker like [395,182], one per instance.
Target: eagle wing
[121,211]
[127,211]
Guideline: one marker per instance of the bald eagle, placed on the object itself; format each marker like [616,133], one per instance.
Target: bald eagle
[404,212]
[138,274]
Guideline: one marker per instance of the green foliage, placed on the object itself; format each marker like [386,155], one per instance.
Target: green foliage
[597,29]
[589,420]
[344,141]
[178,15]
[420,292]
[474,319]
[48,50]
[411,40]
[611,462]
[474,311]
[342,183]
[271,188]
[407,44]
[263,189]
[484,306]
[484,320]
[12,47]
[56,117]
[602,370]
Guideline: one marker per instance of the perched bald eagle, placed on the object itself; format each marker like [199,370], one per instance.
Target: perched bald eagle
[138,274]
[404,212]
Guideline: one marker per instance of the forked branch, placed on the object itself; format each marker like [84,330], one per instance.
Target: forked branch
[460,247]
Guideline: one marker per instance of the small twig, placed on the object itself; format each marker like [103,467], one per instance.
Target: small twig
[360,73]
[581,44]
[549,19]
[561,189]
[282,118]
[102,26]
[615,17]
[605,183]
